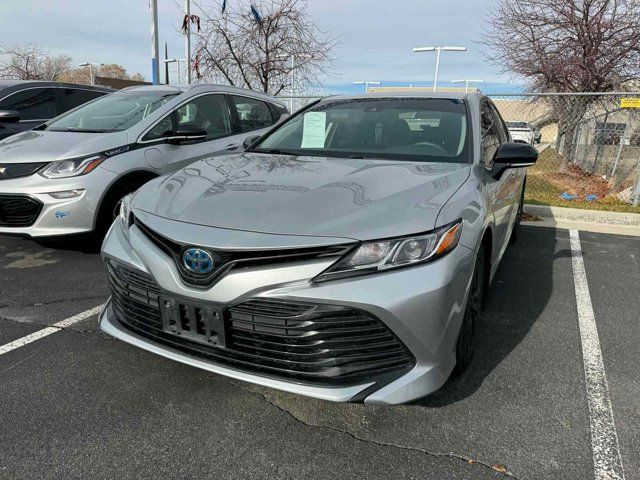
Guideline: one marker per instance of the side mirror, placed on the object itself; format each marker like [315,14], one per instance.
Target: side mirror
[186,133]
[283,117]
[250,141]
[513,155]
[9,116]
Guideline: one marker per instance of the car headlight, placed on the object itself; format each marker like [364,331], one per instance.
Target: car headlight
[125,211]
[381,255]
[72,167]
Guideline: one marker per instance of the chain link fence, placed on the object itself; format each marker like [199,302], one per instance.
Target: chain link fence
[589,146]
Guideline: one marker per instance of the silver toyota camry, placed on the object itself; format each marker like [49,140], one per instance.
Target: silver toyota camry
[68,175]
[344,256]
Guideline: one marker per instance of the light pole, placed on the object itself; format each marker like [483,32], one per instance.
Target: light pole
[187,40]
[466,82]
[177,62]
[366,84]
[90,65]
[155,55]
[438,50]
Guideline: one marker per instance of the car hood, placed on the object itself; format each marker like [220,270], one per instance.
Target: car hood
[315,196]
[44,146]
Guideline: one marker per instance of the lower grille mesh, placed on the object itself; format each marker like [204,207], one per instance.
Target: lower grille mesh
[18,210]
[307,342]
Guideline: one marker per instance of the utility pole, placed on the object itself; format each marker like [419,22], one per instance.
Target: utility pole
[155,57]
[438,50]
[187,39]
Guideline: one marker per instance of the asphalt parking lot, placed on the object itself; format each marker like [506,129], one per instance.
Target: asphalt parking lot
[77,404]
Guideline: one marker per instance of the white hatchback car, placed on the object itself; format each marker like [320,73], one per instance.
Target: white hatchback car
[69,175]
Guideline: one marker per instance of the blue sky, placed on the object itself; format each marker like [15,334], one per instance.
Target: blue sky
[375,36]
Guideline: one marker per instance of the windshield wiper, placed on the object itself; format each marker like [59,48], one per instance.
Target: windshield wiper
[81,130]
[274,151]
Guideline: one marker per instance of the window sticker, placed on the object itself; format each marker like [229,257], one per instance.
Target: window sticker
[313,129]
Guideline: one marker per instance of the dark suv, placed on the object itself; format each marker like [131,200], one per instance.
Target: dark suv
[25,104]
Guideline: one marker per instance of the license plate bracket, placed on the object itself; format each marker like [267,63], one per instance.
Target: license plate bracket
[197,322]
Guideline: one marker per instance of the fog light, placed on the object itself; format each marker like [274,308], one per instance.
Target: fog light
[67,194]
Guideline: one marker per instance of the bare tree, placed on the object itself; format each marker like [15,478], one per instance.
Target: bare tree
[262,46]
[567,46]
[30,62]
[111,70]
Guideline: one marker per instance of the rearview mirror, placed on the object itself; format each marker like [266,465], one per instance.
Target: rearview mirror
[250,141]
[187,133]
[513,155]
[9,116]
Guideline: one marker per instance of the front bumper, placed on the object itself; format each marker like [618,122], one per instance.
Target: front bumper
[58,216]
[422,306]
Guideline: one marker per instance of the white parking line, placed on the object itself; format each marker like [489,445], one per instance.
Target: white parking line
[604,439]
[45,332]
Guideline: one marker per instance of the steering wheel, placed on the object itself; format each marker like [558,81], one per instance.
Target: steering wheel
[440,148]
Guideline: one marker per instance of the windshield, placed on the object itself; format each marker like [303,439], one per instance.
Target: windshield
[112,113]
[429,130]
[518,125]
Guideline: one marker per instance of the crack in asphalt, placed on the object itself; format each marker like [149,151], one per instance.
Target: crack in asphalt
[452,455]
[4,305]
[45,325]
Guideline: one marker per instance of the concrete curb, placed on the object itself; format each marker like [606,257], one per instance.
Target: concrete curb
[586,220]
[579,215]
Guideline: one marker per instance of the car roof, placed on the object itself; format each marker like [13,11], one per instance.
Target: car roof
[205,88]
[405,94]
[19,84]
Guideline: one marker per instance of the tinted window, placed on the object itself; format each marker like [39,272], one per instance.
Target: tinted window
[111,113]
[401,128]
[209,112]
[74,97]
[501,129]
[490,137]
[253,114]
[33,103]
[162,129]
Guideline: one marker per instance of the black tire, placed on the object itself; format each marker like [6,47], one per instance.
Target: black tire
[465,344]
[110,208]
[516,226]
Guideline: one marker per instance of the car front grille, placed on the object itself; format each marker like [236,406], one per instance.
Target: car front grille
[19,210]
[330,345]
[226,260]
[17,170]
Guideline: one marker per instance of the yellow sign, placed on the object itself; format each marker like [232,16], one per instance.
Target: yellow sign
[630,102]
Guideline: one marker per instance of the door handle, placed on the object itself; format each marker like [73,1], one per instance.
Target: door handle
[232,146]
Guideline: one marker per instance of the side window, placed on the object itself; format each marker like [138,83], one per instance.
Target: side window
[74,97]
[33,103]
[490,137]
[501,129]
[209,112]
[253,114]
[162,129]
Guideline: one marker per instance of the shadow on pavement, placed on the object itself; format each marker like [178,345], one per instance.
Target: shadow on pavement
[519,293]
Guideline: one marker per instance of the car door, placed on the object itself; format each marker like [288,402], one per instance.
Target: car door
[513,178]
[497,190]
[210,112]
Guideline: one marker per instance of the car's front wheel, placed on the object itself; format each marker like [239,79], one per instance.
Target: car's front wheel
[466,338]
